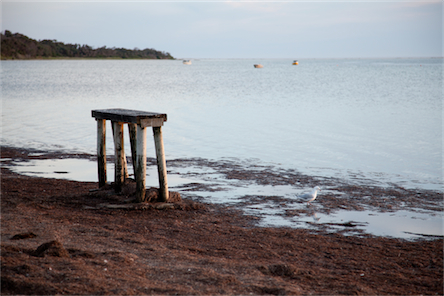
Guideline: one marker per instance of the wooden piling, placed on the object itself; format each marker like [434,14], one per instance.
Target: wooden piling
[140,167]
[125,166]
[132,128]
[161,163]
[119,175]
[101,151]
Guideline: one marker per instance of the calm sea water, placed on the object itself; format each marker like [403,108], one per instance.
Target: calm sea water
[375,119]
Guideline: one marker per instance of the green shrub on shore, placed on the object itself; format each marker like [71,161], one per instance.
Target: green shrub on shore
[19,46]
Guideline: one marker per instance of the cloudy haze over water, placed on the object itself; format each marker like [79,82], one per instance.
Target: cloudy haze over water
[238,29]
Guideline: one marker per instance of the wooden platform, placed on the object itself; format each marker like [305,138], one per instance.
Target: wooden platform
[142,118]
[137,122]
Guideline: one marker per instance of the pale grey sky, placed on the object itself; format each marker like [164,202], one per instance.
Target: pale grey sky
[238,29]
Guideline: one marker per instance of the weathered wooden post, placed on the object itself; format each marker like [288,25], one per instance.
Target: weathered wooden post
[119,167]
[137,122]
[101,151]
[140,168]
[161,163]
[124,165]
[132,128]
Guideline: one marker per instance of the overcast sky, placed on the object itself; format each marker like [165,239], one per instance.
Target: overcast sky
[238,29]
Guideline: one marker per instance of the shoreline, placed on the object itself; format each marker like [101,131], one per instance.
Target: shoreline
[59,238]
[79,58]
[268,192]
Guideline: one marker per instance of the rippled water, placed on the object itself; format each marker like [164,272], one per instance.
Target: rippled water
[378,119]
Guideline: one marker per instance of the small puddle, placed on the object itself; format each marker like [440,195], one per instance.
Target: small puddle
[400,224]
[82,170]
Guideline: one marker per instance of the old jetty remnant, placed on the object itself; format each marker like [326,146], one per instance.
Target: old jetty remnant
[137,122]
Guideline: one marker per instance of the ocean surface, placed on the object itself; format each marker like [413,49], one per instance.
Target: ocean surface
[379,119]
[371,121]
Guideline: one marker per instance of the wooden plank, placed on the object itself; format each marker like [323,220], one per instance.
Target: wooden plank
[132,128]
[126,115]
[161,164]
[145,122]
[119,175]
[140,171]
[101,151]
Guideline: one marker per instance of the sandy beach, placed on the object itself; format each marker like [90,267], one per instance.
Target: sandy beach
[67,237]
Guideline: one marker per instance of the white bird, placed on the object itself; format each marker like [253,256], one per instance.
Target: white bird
[308,197]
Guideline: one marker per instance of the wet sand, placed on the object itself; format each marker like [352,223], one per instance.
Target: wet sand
[66,237]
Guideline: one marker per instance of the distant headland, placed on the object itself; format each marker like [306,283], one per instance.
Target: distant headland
[19,46]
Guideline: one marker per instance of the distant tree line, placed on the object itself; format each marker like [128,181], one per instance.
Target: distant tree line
[18,46]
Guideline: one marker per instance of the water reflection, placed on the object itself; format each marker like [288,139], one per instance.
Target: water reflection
[315,217]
